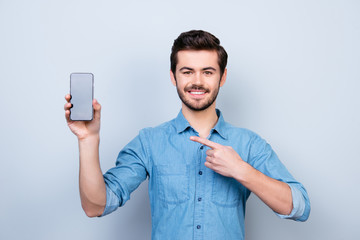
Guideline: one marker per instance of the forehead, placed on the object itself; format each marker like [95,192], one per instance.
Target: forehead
[197,59]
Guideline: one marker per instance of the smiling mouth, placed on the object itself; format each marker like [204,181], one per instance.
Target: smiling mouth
[197,92]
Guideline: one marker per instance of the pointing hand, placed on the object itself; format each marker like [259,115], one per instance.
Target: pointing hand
[222,159]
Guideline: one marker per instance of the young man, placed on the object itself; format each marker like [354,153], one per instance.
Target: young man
[201,169]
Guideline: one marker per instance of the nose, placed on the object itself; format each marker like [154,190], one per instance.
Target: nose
[198,78]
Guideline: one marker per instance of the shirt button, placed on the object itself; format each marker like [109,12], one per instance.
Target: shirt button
[202,147]
[199,199]
[198,226]
[200,172]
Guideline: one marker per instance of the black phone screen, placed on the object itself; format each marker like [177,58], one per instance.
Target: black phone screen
[81,91]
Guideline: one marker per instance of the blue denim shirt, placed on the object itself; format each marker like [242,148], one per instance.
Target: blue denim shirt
[189,200]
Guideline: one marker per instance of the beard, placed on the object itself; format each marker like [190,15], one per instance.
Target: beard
[197,105]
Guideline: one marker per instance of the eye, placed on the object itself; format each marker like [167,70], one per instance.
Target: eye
[208,73]
[187,72]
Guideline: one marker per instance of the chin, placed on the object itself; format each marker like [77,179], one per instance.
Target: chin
[197,108]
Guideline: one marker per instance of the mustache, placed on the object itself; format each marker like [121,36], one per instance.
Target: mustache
[196,87]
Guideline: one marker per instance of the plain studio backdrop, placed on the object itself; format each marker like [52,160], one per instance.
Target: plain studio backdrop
[293,77]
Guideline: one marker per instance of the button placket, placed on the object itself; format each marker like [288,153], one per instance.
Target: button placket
[199,192]
[200,173]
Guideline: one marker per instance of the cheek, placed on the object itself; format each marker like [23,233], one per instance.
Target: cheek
[213,83]
[182,83]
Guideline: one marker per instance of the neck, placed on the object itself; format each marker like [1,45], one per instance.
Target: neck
[202,121]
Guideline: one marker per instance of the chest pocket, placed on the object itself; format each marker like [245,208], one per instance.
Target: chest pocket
[226,192]
[172,183]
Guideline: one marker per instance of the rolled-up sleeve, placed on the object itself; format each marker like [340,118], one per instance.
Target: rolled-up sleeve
[264,159]
[112,202]
[130,171]
[301,206]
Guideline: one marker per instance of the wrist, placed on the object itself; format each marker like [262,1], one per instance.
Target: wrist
[244,173]
[89,139]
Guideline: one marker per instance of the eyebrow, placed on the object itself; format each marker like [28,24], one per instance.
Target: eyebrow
[209,68]
[186,68]
[191,69]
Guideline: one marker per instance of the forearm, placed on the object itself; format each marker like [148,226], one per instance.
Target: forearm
[91,180]
[276,194]
[227,162]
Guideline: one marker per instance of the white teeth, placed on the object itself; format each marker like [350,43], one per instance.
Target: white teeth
[197,93]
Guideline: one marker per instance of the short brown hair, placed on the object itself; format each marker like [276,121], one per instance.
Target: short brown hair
[198,40]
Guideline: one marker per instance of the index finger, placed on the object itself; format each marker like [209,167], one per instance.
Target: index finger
[67,97]
[205,142]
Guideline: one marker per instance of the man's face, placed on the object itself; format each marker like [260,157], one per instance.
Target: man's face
[197,78]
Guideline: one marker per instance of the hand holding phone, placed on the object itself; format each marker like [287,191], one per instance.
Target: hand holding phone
[83,128]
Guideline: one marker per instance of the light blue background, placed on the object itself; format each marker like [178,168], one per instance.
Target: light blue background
[293,77]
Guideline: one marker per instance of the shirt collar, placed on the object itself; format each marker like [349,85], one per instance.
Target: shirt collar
[220,126]
[181,124]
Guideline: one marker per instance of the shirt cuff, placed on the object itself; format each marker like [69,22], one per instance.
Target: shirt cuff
[112,202]
[298,204]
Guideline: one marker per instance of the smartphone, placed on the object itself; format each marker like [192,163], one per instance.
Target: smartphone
[82,94]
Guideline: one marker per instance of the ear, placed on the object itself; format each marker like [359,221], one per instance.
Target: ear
[223,78]
[172,77]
